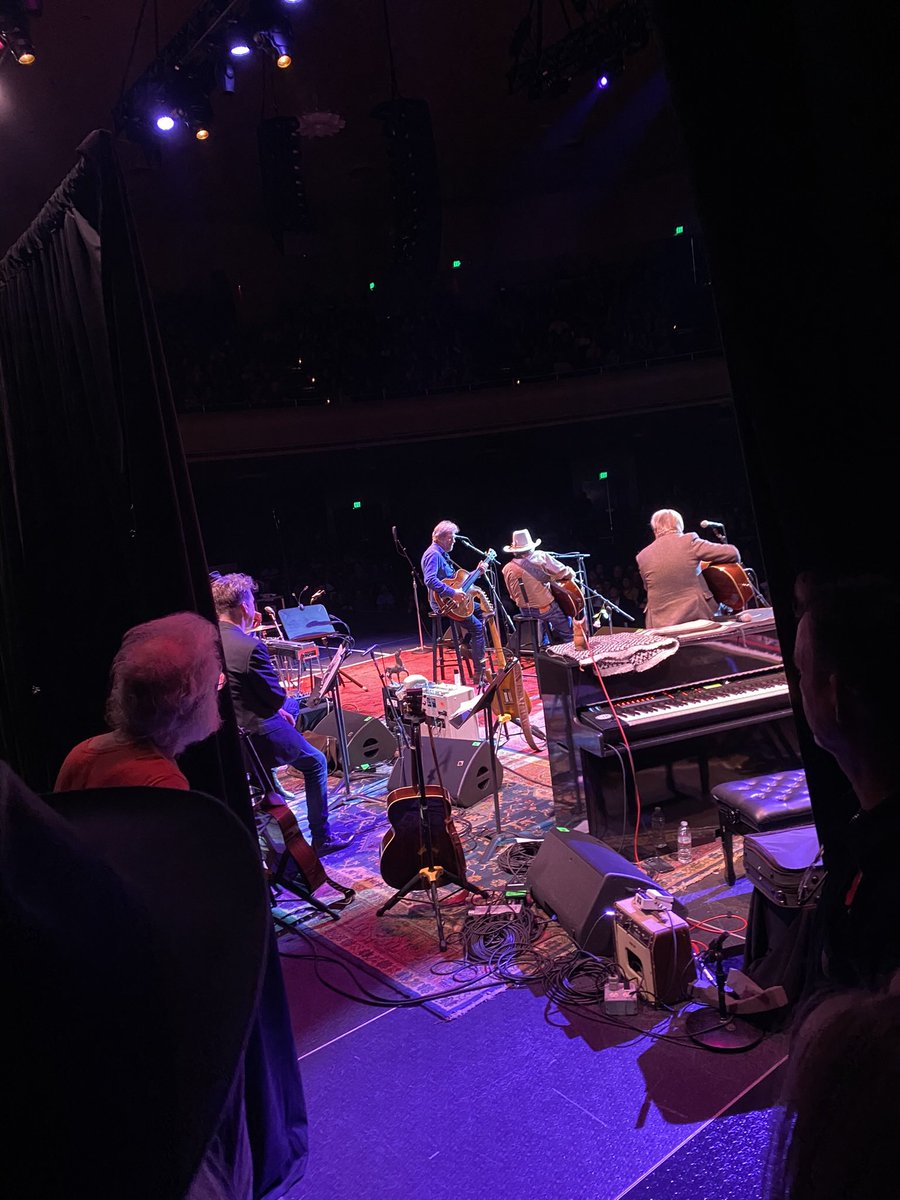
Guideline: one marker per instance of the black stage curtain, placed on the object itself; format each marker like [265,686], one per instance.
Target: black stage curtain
[98,532]
[788,112]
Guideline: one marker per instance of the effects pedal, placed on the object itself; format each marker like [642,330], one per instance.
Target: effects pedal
[620,998]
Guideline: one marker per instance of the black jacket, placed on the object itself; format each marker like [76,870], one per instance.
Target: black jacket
[252,680]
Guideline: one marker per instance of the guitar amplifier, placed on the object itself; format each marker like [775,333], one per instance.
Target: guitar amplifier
[655,949]
[443,701]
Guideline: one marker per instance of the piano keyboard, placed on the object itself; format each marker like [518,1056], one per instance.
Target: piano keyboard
[687,701]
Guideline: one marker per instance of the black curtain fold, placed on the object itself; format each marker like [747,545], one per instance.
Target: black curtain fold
[98,532]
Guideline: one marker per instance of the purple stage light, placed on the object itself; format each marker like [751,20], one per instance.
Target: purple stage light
[603,81]
[239,49]
[165,123]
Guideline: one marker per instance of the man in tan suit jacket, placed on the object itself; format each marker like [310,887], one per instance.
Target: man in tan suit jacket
[670,568]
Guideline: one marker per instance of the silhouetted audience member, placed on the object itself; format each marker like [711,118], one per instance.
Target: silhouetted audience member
[837,1135]
[848,684]
[163,697]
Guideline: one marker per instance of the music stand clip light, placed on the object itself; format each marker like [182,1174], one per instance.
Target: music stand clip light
[306,622]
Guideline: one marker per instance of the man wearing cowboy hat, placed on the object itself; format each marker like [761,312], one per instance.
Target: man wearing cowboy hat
[528,576]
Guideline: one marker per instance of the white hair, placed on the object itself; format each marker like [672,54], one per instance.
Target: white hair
[666,520]
[444,527]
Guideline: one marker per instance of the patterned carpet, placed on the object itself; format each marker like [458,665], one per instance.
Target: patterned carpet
[402,946]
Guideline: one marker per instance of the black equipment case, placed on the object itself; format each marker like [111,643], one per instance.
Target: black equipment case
[785,865]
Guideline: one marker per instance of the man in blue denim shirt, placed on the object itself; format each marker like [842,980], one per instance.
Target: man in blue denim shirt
[436,567]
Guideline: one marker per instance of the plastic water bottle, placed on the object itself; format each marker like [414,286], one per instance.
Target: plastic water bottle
[658,829]
[684,842]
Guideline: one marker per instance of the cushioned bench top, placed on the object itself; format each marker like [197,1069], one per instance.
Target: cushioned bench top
[766,800]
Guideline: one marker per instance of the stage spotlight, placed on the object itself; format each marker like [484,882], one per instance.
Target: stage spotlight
[275,41]
[165,123]
[201,134]
[15,34]
[603,81]
[238,43]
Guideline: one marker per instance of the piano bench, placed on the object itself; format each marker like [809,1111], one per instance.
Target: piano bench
[758,805]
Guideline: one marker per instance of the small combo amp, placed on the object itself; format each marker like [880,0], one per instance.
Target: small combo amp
[443,701]
[463,768]
[653,947]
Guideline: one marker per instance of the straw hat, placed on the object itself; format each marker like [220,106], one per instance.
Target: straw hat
[521,543]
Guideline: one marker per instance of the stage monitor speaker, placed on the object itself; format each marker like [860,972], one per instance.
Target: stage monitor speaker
[578,879]
[464,769]
[369,741]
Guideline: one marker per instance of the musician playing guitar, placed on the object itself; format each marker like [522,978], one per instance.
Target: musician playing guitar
[529,577]
[437,567]
[672,570]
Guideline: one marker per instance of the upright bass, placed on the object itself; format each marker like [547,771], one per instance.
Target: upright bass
[512,702]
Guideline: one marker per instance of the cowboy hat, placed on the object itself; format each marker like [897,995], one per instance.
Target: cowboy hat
[521,543]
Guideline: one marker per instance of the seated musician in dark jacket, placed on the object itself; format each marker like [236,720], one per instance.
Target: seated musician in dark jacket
[259,704]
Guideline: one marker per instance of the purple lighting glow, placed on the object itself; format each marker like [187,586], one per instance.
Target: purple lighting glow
[165,123]
[603,81]
[239,50]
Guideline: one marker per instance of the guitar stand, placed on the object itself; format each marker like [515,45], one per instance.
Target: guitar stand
[432,875]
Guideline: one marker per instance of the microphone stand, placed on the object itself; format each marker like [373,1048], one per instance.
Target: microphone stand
[589,592]
[491,583]
[414,575]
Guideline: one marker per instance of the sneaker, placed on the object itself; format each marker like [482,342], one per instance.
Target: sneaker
[330,844]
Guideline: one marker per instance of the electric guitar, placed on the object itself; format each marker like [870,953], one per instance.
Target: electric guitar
[460,607]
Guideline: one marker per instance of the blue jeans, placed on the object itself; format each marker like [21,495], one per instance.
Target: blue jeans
[554,618]
[286,746]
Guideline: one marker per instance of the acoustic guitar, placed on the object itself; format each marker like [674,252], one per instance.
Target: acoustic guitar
[461,607]
[404,849]
[729,584]
[288,858]
[570,598]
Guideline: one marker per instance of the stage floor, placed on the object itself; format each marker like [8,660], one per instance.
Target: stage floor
[515,1096]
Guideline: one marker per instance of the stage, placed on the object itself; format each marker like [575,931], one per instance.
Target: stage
[577,1105]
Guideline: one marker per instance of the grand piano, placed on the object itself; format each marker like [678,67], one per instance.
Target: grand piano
[715,677]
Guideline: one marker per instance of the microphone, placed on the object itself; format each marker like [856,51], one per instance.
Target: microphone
[394,534]
[711,525]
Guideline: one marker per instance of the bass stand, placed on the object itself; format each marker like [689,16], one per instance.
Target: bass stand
[414,576]
[730,1034]
[432,875]
[610,607]
[331,682]
[484,704]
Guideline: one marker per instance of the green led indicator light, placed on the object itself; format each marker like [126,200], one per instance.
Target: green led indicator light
[678,230]
[603,475]
[371,287]
[457,263]
[357,503]
[562,829]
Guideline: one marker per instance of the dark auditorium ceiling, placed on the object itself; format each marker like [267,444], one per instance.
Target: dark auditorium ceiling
[607,165]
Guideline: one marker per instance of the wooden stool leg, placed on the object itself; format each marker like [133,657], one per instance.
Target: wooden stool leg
[459,658]
[728,851]
[435,635]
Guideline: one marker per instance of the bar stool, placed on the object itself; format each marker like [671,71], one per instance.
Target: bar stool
[530,633]
[439,647]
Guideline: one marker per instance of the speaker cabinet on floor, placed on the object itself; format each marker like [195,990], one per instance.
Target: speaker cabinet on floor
[578,879]
[464,769]
[369,741]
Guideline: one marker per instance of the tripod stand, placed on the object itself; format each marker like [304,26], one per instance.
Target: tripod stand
[422,845]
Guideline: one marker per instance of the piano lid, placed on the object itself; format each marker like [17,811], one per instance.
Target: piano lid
[702,656]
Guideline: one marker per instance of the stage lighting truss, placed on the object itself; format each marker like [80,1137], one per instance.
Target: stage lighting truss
[15,30]
[600,37]
[173,94]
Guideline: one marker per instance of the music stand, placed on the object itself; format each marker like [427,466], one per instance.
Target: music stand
[484,704]
[306,622]
[331,682]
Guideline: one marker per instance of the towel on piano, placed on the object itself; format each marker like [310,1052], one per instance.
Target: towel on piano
[618,653]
